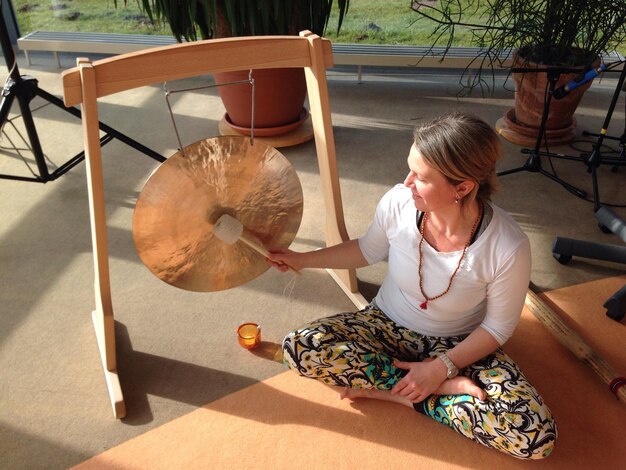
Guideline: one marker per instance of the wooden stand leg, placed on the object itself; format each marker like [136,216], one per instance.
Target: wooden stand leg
[105,328]
[356,297]
[102,317]
[335,230]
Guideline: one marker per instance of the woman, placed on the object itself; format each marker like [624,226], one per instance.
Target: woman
[458,272]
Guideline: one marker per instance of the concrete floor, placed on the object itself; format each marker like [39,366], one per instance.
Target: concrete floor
[176,349]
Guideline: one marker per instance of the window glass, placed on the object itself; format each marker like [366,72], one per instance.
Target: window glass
[367,21]
[85,16]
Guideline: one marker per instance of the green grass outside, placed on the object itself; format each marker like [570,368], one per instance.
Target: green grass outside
[382,22]
[83,15]
[367,21]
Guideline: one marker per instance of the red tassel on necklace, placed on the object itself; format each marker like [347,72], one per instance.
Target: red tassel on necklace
[424,305]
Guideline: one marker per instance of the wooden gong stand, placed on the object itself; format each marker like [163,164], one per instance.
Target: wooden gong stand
[88,81]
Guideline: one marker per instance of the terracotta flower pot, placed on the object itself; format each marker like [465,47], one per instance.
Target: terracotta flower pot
[522,125]
[279,96]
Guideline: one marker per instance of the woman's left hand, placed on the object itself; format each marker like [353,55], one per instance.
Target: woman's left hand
[422,379]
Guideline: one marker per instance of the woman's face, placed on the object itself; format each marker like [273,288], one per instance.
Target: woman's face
[431,189]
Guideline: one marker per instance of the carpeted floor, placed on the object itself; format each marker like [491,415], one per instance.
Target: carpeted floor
[288,421]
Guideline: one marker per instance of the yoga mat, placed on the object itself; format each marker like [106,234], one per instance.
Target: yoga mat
[292,422]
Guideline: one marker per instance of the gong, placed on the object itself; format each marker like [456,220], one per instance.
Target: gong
[183,198]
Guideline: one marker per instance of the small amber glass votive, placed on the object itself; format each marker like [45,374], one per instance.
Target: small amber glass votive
[249,335]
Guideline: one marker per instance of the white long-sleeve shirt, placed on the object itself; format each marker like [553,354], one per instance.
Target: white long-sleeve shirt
[488,291]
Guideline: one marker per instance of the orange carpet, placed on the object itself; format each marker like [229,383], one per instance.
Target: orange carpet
[292,422]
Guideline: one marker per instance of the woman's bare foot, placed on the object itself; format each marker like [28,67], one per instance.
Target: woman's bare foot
[353,393]
[461,385]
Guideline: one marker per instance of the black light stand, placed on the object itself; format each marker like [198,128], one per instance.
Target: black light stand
[24,89]
[533,163]
[564,248]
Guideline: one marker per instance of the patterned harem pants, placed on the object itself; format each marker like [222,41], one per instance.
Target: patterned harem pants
[357,350]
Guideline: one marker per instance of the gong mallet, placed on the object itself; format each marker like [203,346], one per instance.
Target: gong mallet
[572,341]
[230,230]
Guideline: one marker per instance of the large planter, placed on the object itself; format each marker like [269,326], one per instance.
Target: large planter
[521,125]
[279,96]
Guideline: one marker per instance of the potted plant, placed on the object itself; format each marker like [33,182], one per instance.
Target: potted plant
[566,37]
[279,93]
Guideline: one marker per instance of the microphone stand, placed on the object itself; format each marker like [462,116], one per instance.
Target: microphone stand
[595,158]
[533,163]
[24,89]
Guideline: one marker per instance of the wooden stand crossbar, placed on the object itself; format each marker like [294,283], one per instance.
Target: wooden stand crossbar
[87,82]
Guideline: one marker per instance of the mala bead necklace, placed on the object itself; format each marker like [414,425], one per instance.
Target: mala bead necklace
[424,305]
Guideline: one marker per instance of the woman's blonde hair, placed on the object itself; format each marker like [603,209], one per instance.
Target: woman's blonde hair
[462,147]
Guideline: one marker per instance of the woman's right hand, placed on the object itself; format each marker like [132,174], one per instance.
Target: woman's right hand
[283,259]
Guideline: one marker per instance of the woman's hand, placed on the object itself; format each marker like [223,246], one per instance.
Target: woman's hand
[422,379]
[283,259]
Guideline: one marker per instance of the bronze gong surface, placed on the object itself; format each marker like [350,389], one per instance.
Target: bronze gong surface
[175,212]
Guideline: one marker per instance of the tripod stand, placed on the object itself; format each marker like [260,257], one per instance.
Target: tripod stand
[564,248]
[24,89]
[533,163]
